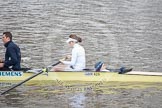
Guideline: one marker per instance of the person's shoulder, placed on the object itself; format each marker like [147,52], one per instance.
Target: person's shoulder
[80,47]
[12,44]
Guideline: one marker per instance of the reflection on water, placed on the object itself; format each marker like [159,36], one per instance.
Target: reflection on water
[110,94]
[13,100]
[121,33]
[77,101]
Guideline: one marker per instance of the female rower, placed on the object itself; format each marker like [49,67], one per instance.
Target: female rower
[78,60]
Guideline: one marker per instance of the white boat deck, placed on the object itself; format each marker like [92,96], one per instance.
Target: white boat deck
[144,73]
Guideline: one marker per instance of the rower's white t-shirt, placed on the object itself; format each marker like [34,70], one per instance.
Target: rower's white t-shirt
[78,60]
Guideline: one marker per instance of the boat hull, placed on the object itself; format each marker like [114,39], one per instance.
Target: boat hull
[81,76]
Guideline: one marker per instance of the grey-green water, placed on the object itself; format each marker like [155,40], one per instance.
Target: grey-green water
[120,32]
[105,95]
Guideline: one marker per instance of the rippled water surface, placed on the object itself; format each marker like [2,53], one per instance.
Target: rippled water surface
[118,32]
[105,95]
[121,33]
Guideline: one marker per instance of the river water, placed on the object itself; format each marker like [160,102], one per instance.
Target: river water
[120,32]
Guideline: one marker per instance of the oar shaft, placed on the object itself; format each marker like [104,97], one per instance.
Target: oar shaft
[56,63]
[21,82]
[27,79]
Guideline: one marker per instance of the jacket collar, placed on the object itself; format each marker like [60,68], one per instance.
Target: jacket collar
[6,44]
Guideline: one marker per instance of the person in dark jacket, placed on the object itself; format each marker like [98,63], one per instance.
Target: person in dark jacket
[12,56]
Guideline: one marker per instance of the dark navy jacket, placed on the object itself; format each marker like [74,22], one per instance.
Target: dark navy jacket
[12,56]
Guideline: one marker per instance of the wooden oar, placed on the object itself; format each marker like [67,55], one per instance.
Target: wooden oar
[41,71]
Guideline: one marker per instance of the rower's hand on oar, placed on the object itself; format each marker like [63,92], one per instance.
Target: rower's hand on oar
[68,57]
[63,59]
